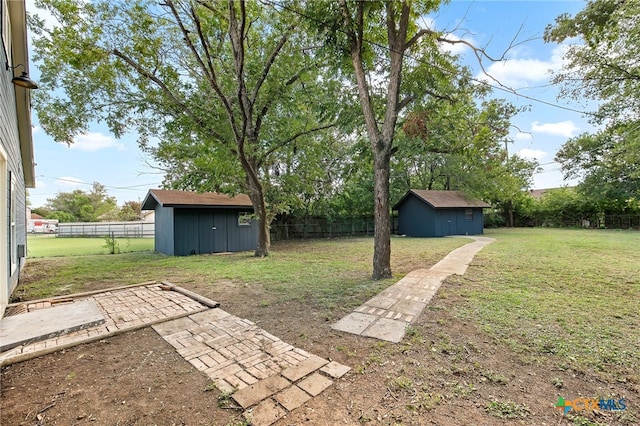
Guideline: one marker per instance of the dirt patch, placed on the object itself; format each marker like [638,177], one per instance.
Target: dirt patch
[133,378]
[445,372]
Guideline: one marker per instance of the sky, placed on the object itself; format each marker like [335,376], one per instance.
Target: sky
[538,133]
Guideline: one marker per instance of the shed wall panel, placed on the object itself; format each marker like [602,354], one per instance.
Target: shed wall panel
[186,232]
[416,219]
[164,230]
[241,237]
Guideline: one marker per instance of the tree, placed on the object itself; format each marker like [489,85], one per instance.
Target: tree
[460,144]
[81,206]
[227,87]
[130,211]
[377,37]
[604,67]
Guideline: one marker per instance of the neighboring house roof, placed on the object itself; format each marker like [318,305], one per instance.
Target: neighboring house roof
[19,55]
[168,198]
[443,199]
[538,193]
[36,216]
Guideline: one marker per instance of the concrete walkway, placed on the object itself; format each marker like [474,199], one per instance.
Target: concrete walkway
[387,315]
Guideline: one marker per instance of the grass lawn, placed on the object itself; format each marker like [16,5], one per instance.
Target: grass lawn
[51,245]
[328,271]
[574,294]
[540,313]
[571,293]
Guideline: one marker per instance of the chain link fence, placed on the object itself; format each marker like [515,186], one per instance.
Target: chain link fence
[322,227]
[101,229]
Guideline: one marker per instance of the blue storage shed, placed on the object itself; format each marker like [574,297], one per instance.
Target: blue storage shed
[424,213]
[194,223]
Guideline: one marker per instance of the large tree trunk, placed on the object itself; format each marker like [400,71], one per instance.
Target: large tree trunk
[256,194]
[381,138]
[382,221]
[264,236]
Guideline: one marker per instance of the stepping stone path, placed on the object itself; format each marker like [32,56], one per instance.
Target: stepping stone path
[387,315]
[264,375]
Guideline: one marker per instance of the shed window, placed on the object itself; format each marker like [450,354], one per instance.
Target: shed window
[244,218]
[468,214]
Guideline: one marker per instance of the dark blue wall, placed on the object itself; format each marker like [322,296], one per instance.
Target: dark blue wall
[186,231]
[417,219]
[164,235]
[455,222]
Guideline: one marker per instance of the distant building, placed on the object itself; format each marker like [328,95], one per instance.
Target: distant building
[17,169]
[191,223]
[423,213]
[538,193]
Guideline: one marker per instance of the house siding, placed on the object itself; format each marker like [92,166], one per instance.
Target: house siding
[10,142]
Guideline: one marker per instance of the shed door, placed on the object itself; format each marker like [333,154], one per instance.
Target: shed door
[212,232]
[448,225]
[221,240]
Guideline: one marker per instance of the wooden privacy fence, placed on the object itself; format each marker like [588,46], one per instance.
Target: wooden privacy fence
[101,229]
[321,227]
[621,221]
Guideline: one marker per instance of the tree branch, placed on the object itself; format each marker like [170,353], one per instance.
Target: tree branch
[270,61]
[208,72]
[294,137]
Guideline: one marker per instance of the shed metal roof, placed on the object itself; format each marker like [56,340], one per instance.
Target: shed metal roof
[444,199]
[171,198]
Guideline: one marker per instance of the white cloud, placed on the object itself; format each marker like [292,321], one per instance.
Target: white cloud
[520,136]
[95,142]
[566,129]
[532,154]
[456,48]
[515,72]
[429,23]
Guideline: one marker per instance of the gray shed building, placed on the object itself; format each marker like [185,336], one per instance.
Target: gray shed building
[190,223]
[423,213]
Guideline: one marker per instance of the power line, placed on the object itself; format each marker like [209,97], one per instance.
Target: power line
[126,188]
[405,55]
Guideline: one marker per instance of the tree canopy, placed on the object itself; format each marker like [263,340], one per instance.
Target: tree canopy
[603,67]
[229,88]
[318,107]
[80,206]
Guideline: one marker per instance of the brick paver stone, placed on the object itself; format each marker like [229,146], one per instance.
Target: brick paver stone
[292,397]
[335,369]
[305,367]
[265,414]
[256,392]
[315,384]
